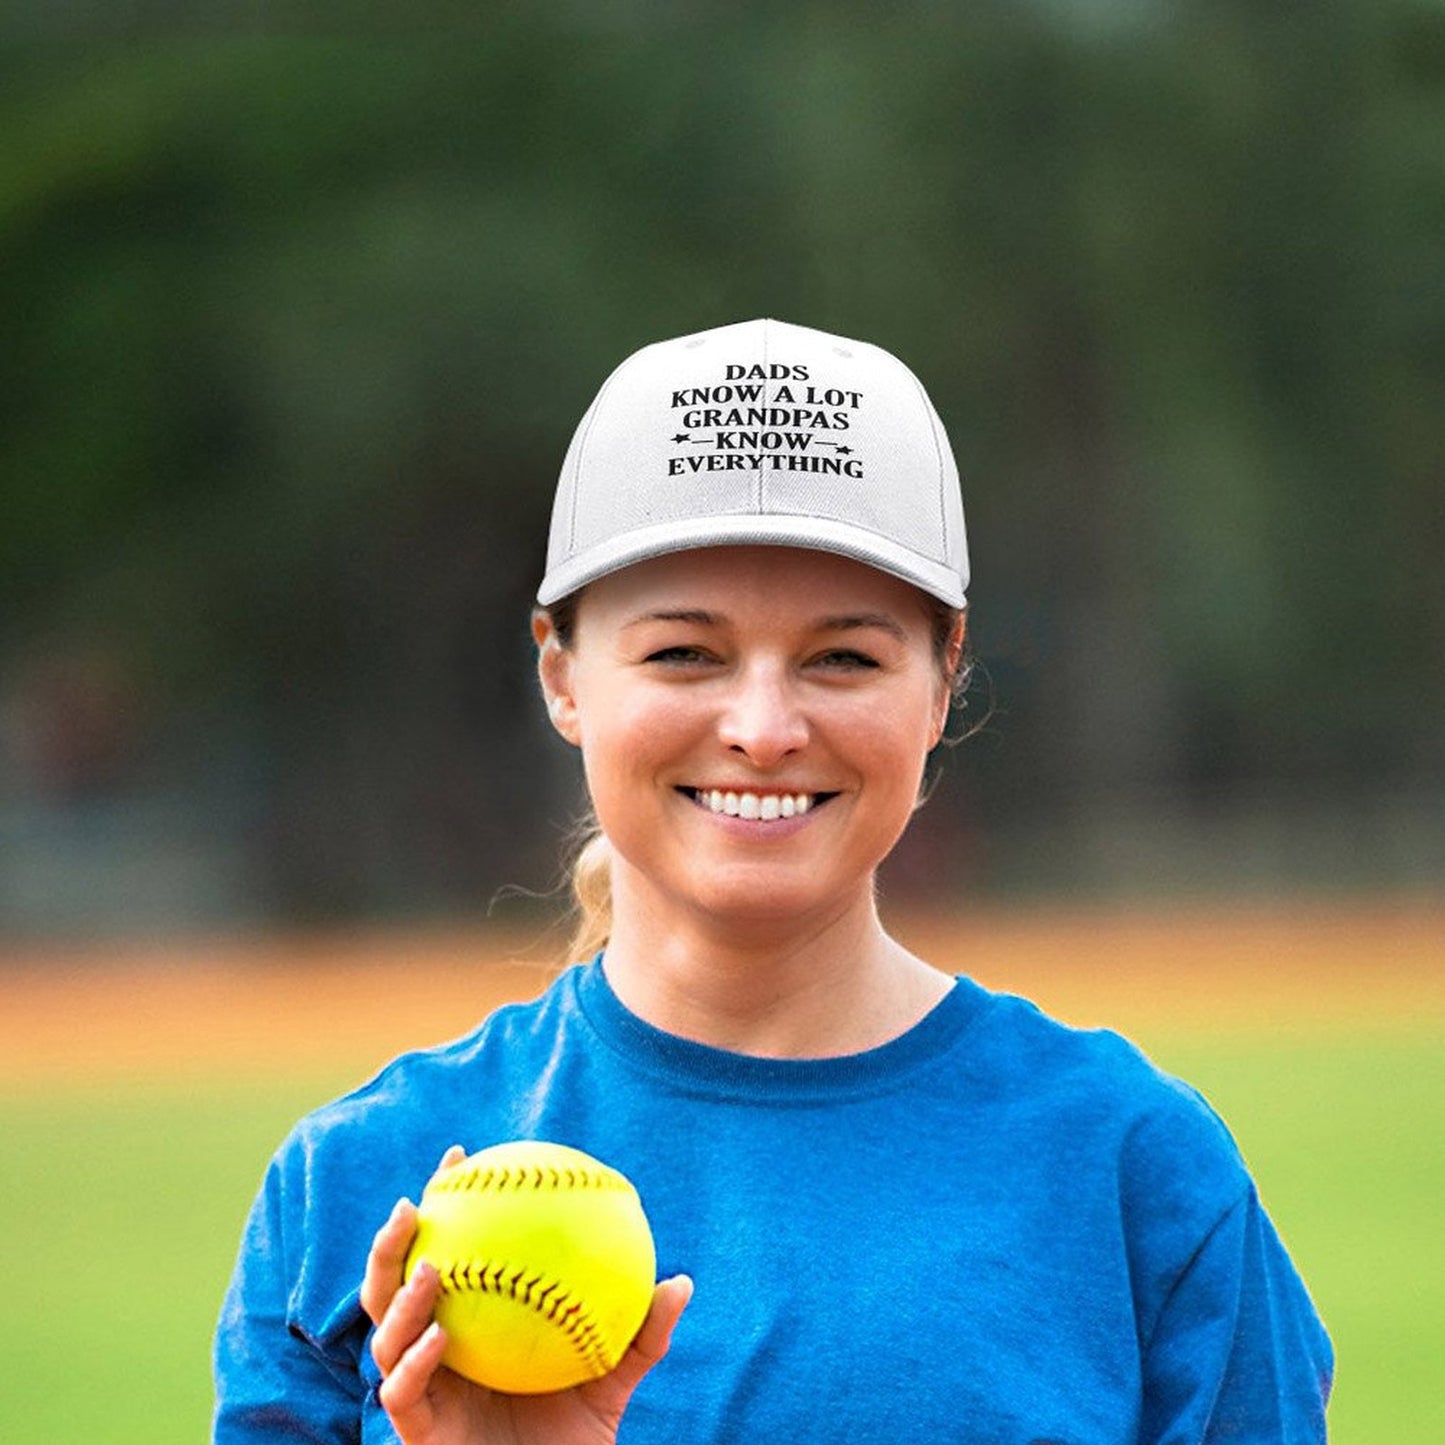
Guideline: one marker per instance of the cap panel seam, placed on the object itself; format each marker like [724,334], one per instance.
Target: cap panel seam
[938,488]
[759,489]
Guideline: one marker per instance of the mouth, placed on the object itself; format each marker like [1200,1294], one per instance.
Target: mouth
[763,807]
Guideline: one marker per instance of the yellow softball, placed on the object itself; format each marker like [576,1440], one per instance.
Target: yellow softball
[546,1262]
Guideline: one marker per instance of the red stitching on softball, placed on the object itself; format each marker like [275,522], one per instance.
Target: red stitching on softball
[496,1277]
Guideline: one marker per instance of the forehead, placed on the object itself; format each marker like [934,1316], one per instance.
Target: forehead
[743,582]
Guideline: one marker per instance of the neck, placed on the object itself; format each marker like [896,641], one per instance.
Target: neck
[796,988]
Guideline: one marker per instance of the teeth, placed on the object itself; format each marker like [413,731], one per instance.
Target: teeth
[764,807]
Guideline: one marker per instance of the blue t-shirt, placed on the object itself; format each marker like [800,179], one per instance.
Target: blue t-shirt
[993,1229]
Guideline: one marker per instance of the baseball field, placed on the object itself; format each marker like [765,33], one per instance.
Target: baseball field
[143,1087]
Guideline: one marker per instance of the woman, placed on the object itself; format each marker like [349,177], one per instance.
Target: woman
[910,1209]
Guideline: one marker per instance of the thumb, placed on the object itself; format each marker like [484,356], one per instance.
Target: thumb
[669,1299]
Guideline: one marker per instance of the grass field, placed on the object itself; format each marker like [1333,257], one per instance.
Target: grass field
[140,1100]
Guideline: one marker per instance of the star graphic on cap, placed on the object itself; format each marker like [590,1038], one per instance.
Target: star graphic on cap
[680,437]
[846,451]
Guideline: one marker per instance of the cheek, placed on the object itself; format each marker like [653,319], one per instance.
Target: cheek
[633,721]
[896,734]
[886,750]
[627,739]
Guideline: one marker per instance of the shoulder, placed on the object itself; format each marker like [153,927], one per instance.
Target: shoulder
[1101,1087]
[1124,1150]
[382,1140]
[434,1094]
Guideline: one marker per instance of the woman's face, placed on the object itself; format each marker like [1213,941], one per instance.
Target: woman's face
[753,724]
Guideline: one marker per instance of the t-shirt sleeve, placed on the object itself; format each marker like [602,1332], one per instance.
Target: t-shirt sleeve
[276,1378]
[1237,1353]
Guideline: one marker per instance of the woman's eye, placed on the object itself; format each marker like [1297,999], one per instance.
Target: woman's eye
[846,659]
[677,655]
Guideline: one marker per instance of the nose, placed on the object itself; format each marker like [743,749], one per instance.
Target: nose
[762,718]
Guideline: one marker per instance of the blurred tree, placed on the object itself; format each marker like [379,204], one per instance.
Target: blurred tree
[296,330]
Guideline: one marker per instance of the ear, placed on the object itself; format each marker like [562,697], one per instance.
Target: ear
[554,672]
[953,660]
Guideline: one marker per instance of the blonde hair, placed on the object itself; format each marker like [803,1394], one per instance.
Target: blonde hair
[590,875]
[591,879]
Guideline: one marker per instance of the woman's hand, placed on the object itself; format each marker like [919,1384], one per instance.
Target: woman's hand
[428,1404]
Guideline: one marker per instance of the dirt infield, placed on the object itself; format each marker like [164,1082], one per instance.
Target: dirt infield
[137,1011]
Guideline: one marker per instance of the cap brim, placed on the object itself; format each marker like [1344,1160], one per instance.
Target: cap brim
[819,534]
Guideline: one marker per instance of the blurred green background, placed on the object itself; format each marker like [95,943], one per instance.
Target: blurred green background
[297,324]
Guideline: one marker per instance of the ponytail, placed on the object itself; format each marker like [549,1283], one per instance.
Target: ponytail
[591,895]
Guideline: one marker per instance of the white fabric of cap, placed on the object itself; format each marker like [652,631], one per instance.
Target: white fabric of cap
[760,432]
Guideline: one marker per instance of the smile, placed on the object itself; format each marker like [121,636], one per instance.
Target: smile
[765,807]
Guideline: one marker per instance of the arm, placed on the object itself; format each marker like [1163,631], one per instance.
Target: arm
[273,1381]
[1237,1353]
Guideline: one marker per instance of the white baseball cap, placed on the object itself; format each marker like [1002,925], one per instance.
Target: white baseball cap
[760,432]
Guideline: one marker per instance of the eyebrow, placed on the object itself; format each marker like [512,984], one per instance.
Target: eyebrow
[853,621]
[847,622]
[686,614]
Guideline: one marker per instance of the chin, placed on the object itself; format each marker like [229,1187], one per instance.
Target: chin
[773,904]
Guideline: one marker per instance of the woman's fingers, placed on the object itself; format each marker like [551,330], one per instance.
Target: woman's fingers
[389,1249]
[403,1393]
[406,1319]
[388,1256]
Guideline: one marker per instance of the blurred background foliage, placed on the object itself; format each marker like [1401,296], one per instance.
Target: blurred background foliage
[297,325]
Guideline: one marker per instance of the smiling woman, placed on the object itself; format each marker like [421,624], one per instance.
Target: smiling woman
[912,1208]
[754,723]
